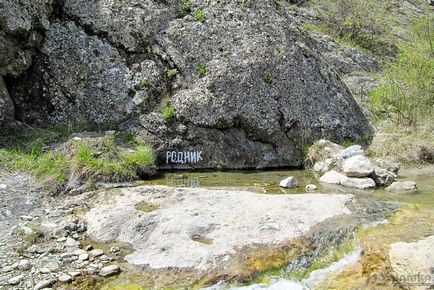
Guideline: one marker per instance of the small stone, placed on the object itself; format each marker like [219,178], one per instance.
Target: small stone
[352,151]
[32,249]
[65,278]
[104,258]
[7,269]
[289,182]
[88,247]
[75,236]
[44,270]
[3,186]
[53,266]
[311,187]
[16,280]
[109,271]
[26,218]
[61,239]
[402,187]
[24,265]
[96,253]
[74,274]
[43,284]
[115,250]
[83,257]
[79,252]
[70,242]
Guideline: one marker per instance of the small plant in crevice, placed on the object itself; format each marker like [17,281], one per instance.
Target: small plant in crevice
[200,15]
[201,70]
[186,6]
[149,49]
[171,73]
[169,113]
[145,84]
[268,79]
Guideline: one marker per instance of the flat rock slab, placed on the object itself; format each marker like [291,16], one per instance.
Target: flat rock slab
[412,263]
[200,228]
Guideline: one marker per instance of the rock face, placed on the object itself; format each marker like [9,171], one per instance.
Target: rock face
[263,90]
[412,263]
[7,110]
[214,223]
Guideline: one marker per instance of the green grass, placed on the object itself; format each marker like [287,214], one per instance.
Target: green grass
[169,113]
[171,73]
[200,15]
[107,158]
[201,70]
[186,6]
[145,84]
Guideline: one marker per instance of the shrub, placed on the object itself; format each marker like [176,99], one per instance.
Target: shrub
[268,79]
[361,22]
[406,92]
[201,70]
[169,113]
[200,15]
[171,73]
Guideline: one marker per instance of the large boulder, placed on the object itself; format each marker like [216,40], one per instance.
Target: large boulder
[263,91]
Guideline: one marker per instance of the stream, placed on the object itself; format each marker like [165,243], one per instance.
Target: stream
[412,222]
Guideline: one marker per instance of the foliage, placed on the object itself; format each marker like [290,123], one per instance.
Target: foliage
[145,84]
[201,70]
[169,113]
[268,79]
[105,158]
[171,73]
[200,15]
[406,93]
[361,22]
[186,6]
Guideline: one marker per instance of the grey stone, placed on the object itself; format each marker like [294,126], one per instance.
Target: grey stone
[43,284]
[351,151]
[357,166]
[83,257]
[359,183]
[289,182]
[332,177]
[311,187]
[16,280]
[109,270]
[389,165]
[96,253]
[65,278]
[382,177]
[402,186]
[70,242]
[24,265]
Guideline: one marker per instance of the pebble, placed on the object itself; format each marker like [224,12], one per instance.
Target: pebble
[3,186]
[74,274]
[96,253]
[44,270]
[16,280]
[83,257]
[43,284]
[109,271]
[61,239]
[24,265]
[88,248]
[26,218]
[311,187]
[65,278]
[79,252]
[115,250]
[7,269]
[70,242]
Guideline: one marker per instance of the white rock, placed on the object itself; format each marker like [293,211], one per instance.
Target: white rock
[44,270]
[70,242]
[26,218]
[109,270]
[43,284]
[24,265]
[65,278]
[3,186]
[332,177]
[360,183]
[289,182]
[311,187]
[413,261]
[83,257]
[358,166]
[16,280]
[402,187]
[119,220]
[96,253]
[79,252]
[319,167]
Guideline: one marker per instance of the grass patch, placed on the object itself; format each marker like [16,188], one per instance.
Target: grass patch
[54,160]
[186,6]
[201,70]
[200,15]
[171,73]
[169,113]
